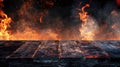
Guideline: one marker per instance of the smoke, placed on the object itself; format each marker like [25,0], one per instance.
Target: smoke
[111,28]
[107,19]
[49,20]
[42,21]
[30,25]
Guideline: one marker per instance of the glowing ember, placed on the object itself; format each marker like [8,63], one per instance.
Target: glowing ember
[30,34]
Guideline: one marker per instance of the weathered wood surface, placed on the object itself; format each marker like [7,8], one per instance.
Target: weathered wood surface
[7,47]
[26,50]
[67,49]
[111,47]
[47,49]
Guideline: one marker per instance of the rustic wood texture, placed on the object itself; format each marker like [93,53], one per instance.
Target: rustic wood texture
[47,49]
[67,49]
[26,50]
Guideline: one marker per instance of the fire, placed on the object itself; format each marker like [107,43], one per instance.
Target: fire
[88,25]
[4,25]
[41,19]
[29,34]
[83,14]
[89,29]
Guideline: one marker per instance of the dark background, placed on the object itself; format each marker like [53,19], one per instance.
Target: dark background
[14,5]
[61,8]
[62,13]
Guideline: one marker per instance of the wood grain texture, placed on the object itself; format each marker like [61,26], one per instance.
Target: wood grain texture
[67,49]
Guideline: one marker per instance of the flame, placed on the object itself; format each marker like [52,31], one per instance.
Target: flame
[41,19]
[83,14]
[4,24]
[88,29]
[29,34]
[88,25]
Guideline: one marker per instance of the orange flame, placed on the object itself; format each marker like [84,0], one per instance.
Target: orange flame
[83,14]
[41,19]
[85,31]
[4,24]
[29,34]
[88,29]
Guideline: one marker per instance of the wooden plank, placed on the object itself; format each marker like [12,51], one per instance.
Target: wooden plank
[47,49]
[70,49]
[67,49]
[111,47]
[7,47]
[90,51]
[25,51]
